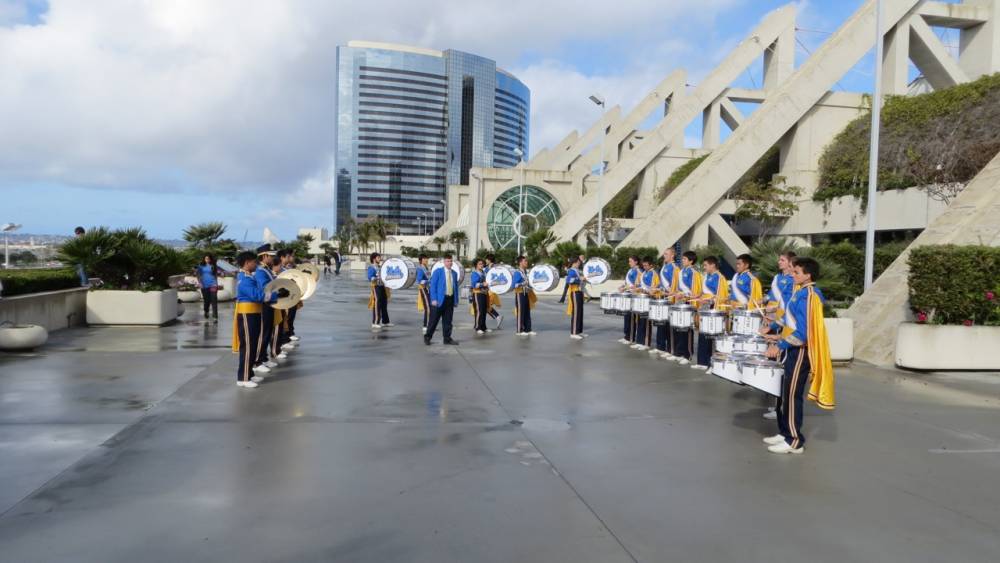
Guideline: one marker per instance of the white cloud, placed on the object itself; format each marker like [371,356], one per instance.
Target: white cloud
[236,95]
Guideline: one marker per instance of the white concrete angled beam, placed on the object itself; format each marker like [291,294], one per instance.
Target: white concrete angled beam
[932,58]
[896,59]
[593,135]
[784,107]
[956,16]
[680,115]
[730,114]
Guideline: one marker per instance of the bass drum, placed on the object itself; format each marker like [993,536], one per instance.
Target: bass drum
[500,279]
[543,277]
[455,267]
[596,270]
[398,273]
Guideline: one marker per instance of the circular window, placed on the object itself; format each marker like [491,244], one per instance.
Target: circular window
[517,213]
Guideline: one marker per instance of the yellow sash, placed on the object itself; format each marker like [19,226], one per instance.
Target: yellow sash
[821,391]
[371,296]
[573,288]
[243,308]
[421,291]
[494,300]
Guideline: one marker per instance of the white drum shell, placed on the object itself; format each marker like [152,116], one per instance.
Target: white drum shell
[712,322]
[681,317]
[764,375]
[398,273]
[544,277]
[640,304]
[750,345]
[727,367]
[625,303]
[726,344]
[596,270]
[746,323]
[500,279]
[659,310]
[607,301]
[455,267]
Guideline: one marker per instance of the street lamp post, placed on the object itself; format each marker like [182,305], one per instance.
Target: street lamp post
[873,155]
[520,200]
[7,229]
[600,101]
[478,202]
[433,219]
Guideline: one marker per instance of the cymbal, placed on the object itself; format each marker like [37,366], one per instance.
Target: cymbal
[309,268]
[294,293]
[304,281]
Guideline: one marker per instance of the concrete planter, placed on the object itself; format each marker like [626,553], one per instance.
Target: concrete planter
[22,337]
[189,296]
[948,347]
[112,307]
[841,335]
[52,310]
[227,289]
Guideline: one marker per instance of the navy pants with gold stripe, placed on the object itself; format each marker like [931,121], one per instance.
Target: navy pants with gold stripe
[662,342]
[248,327]
[629,329]
[380,313]
[683,341]
[522,310]
[266,333]
[576,322]
[480,304]
[793,387]
[425,301]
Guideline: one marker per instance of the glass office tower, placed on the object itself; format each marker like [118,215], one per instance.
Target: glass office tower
[411,121]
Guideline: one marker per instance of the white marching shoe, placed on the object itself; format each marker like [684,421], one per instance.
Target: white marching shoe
[293,338]
[271,364]
[387,324]
[532,333]
[288,346]
[642,347]
[697,367]
[576,337]
[784,448]
[499,321]
[771,414]
[262,369]
[376,327]
[772,440]
[256,379]
[653,351]
[282,356]
[683,361]
[423,330]
[247,384]
[480,332]
[623,341]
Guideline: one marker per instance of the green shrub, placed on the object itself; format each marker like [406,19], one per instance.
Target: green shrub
[619,265]
[125,258]
[849,257]
[623,204]
[955,284]
[22,282]
[946,136]
[678,177]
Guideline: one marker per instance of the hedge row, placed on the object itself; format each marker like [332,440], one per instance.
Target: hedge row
[21,282]
[955,284]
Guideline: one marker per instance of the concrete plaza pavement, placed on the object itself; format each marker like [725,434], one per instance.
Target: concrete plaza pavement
[125,444]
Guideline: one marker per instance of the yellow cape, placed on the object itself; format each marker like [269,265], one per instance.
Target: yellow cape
[821,391]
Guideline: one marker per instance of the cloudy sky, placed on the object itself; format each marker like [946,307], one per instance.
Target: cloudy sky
[164,113]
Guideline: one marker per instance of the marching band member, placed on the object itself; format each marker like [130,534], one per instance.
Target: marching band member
[574,288]
[444,293]
[280,337]
[688,286]
[649,280]
[782,288]
[524,298]
[805,350]
[715,292]
[263,275]
[250,298]
[287,259]
[378,299]
[480,298]
[494,298]
[423,301]
[746,288]
[669,273]
[631,282]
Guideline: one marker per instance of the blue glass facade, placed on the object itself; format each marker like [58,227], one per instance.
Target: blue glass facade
[411,121]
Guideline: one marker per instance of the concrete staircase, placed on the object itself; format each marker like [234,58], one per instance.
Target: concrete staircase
[972,218]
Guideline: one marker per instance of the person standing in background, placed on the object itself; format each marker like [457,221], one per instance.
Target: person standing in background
[336,262]
[208,278]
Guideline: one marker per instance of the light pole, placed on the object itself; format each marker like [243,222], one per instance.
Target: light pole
[7,229]
[599,100]
[433,219]
[421,223]
[520,200]
[478,202]
[873,154]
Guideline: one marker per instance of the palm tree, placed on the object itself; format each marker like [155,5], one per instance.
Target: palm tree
[363,237]
[345,237]
[537,243]
[439,242]
[459,239]
[204,235]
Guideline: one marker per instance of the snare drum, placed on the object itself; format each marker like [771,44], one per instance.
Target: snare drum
[659,311]
[500,279]
[640,304]
[624,303]
[762,374]
[747,323]
[727,366]
[544,277]
[726,344]
[681,316]
[750,345]
[398,273]
[608,303]
[712,322]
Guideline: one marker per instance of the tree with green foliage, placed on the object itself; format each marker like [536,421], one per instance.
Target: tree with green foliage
[766,203]
[678,176]
[459,239]
[204,235]
[439,242]
[124,258]
[536,245]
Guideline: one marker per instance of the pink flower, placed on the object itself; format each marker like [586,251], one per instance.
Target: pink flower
[990,296]
[967,322]
[922,317]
